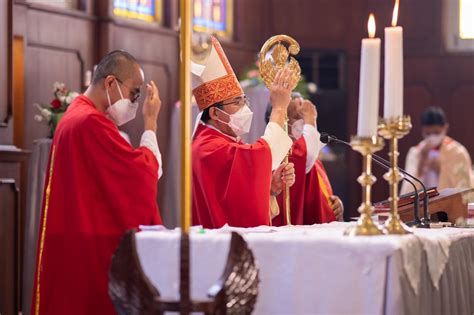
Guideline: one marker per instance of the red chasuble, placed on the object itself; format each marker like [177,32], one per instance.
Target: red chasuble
[231,180]
[98,187]
[309,195]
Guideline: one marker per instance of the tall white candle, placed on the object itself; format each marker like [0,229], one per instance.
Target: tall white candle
[369,83]
[393,77]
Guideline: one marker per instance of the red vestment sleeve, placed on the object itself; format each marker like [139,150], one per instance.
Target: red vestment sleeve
[231,181]
[97,188]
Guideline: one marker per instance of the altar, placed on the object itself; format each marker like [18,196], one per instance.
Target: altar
[318,270]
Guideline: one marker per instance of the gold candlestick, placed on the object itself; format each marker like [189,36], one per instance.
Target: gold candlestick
[365,225]
[393,129]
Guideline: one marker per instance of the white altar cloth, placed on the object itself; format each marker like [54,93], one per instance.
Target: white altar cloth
[317,270]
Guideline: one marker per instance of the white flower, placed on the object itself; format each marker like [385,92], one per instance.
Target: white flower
[57,86]
[71,97]
[62,98]
[312,87]
[46,113]
[43,111]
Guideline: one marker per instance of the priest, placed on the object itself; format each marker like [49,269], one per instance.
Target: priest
[311,197]
[438,160]
[231,180]
[97,187]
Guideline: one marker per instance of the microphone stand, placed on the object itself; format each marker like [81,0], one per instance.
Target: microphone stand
[423,222]
[417,222]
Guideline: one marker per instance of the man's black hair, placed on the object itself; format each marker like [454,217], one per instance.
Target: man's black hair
[433,116]
[118,63]
[205,113]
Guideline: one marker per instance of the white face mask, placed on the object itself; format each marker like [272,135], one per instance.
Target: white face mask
[435,140]
[123,110]
[240,122]
[297,129]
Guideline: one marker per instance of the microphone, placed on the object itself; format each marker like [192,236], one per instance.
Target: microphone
[425,221]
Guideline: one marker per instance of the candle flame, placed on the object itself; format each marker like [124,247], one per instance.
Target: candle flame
[395,13]
[371,26]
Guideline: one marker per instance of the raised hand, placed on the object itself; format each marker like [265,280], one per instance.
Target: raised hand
[307,111]
[151,106]
[280,91]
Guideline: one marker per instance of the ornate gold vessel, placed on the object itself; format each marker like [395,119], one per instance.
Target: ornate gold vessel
[277,53]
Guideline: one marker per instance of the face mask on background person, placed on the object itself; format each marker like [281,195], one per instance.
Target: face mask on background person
[123,110]
[240,122]
[297,129]
[435,140]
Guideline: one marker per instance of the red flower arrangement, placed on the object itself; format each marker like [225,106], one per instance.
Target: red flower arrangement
[54,111]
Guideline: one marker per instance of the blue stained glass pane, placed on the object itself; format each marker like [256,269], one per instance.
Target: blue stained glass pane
[220,25]
[135,6]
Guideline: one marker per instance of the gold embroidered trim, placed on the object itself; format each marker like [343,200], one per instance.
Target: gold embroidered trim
[43,232]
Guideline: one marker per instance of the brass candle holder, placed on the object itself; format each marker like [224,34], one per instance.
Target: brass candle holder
[394,129]
[365,225]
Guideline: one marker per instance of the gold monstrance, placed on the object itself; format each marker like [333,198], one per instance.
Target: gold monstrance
[274,56]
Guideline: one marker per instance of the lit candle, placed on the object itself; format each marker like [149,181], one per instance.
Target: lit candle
[393,89]
[369,83]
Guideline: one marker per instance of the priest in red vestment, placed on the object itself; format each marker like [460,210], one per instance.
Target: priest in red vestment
[232,180]
[97,188]
[310,202]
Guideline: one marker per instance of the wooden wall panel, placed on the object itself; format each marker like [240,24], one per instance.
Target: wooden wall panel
[421,21]
[460,115]
[46,65]
[251,21]
[13,172]
[287,17]
[4,51]
[18,90]
[54,51]
[417,98]
[9,210]
[240,56]
[6,128]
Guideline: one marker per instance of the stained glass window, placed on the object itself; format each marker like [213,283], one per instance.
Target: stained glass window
[145,10]
[213,16]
